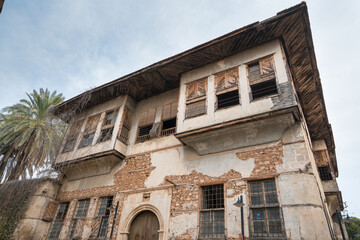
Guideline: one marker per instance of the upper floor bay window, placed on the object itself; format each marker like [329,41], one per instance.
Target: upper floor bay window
[77,223]
[227,88]
[73,134]
[107,127]
[147,119]
[196,98]
[265,217]
[58,221]
[262,78]
[168,118]
[125,127]
[212,219]
[90,129]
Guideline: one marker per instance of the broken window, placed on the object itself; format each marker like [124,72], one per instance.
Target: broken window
[212,224]
[196,98]
[168,118]
[108,126]
[262,78]
[146,122]
[77,223]
[58,221]
[73,133]
[89,131]
[227,88]
[126,125]
[103,214]
[325,173]
[264,209]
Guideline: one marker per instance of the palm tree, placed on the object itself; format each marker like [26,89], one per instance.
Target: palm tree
[30,135]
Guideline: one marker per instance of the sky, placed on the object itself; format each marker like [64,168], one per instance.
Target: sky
[72,46]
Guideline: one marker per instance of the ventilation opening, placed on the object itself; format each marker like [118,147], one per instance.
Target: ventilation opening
[325,174]
[263,89]
[143,133]
[228,99]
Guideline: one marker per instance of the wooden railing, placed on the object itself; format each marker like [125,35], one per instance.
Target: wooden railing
[168,131]
[143,138]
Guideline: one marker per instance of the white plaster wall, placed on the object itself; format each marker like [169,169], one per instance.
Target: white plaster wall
[246,108]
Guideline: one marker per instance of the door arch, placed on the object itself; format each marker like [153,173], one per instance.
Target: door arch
[145,226]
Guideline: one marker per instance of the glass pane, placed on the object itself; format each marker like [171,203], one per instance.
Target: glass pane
[257,199]
[255,187]
[269,186]
[271,198]
[103,226]
[213,196]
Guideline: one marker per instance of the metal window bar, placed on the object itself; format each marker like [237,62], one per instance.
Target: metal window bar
[325,173]
[263,89]
[212,224]
[213,196]
[227,100]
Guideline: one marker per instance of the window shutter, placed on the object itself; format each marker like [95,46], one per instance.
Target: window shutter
[226,81]
[266,66]
[147,117]
[50,211]
[95,226]
[127,117]
[169,110]
[195,108]
[196,90]
[92,123]
[79,228]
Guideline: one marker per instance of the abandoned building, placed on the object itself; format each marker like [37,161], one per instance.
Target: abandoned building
[226,139]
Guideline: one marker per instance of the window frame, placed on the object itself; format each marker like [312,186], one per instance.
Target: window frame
[164,118]
[108,127]
[56,220]
[127,114]
[145,123]
[105,215]
[227,89]
[211,211]
[90,131]
[265,207]
[262,77]
[77,125]
[75,220]
[196,99]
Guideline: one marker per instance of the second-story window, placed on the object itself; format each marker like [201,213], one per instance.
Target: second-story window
[125,125]
[108,126]
[227,88]
[73,134]
[262,79]
[196,98]
[90,129]
[77,223]
[146,121]
[168,118]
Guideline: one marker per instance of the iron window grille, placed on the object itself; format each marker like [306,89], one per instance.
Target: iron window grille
[104,213]
[265,217]
[58,221]
[325,174]
[212,221]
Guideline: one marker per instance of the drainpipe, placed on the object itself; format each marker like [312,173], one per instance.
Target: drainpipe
[113,224]
[341,227]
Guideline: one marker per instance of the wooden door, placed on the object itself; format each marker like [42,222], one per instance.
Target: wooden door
[145,226]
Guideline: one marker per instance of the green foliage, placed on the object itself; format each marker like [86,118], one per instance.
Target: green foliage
[30,135]
[353,228]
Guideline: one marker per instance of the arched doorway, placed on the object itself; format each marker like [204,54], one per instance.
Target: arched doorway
[145,226]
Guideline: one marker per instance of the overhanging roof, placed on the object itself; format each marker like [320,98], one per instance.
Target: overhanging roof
[291,26]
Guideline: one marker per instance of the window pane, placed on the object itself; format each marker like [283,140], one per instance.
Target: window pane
[103,226]
[213,196]
[82,208]
[55,230]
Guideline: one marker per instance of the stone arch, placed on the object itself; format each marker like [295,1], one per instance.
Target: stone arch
[129,219]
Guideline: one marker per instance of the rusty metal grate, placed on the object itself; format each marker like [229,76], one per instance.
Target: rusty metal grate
[325,173]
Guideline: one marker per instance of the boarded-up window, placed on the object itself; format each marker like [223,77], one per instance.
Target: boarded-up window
[108,126]
[77,223]
[125,125]
[89,131]
[58,221]
[212,223]
[196,98]
[73,133]
[146,122]
[262,78]
[264,209]
[103,215]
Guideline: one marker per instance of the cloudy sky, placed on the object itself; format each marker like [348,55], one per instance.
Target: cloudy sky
[72,46]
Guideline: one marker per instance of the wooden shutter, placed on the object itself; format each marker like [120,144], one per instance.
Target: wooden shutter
[50,211]
[95,227]
[75,129]
[227,81]
[196,90]
[79,228]
[195,108]
[128,114]
[92,123]
[266,66]
[169,110]
[147,117]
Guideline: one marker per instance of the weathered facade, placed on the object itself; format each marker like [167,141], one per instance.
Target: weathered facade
[165,152]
